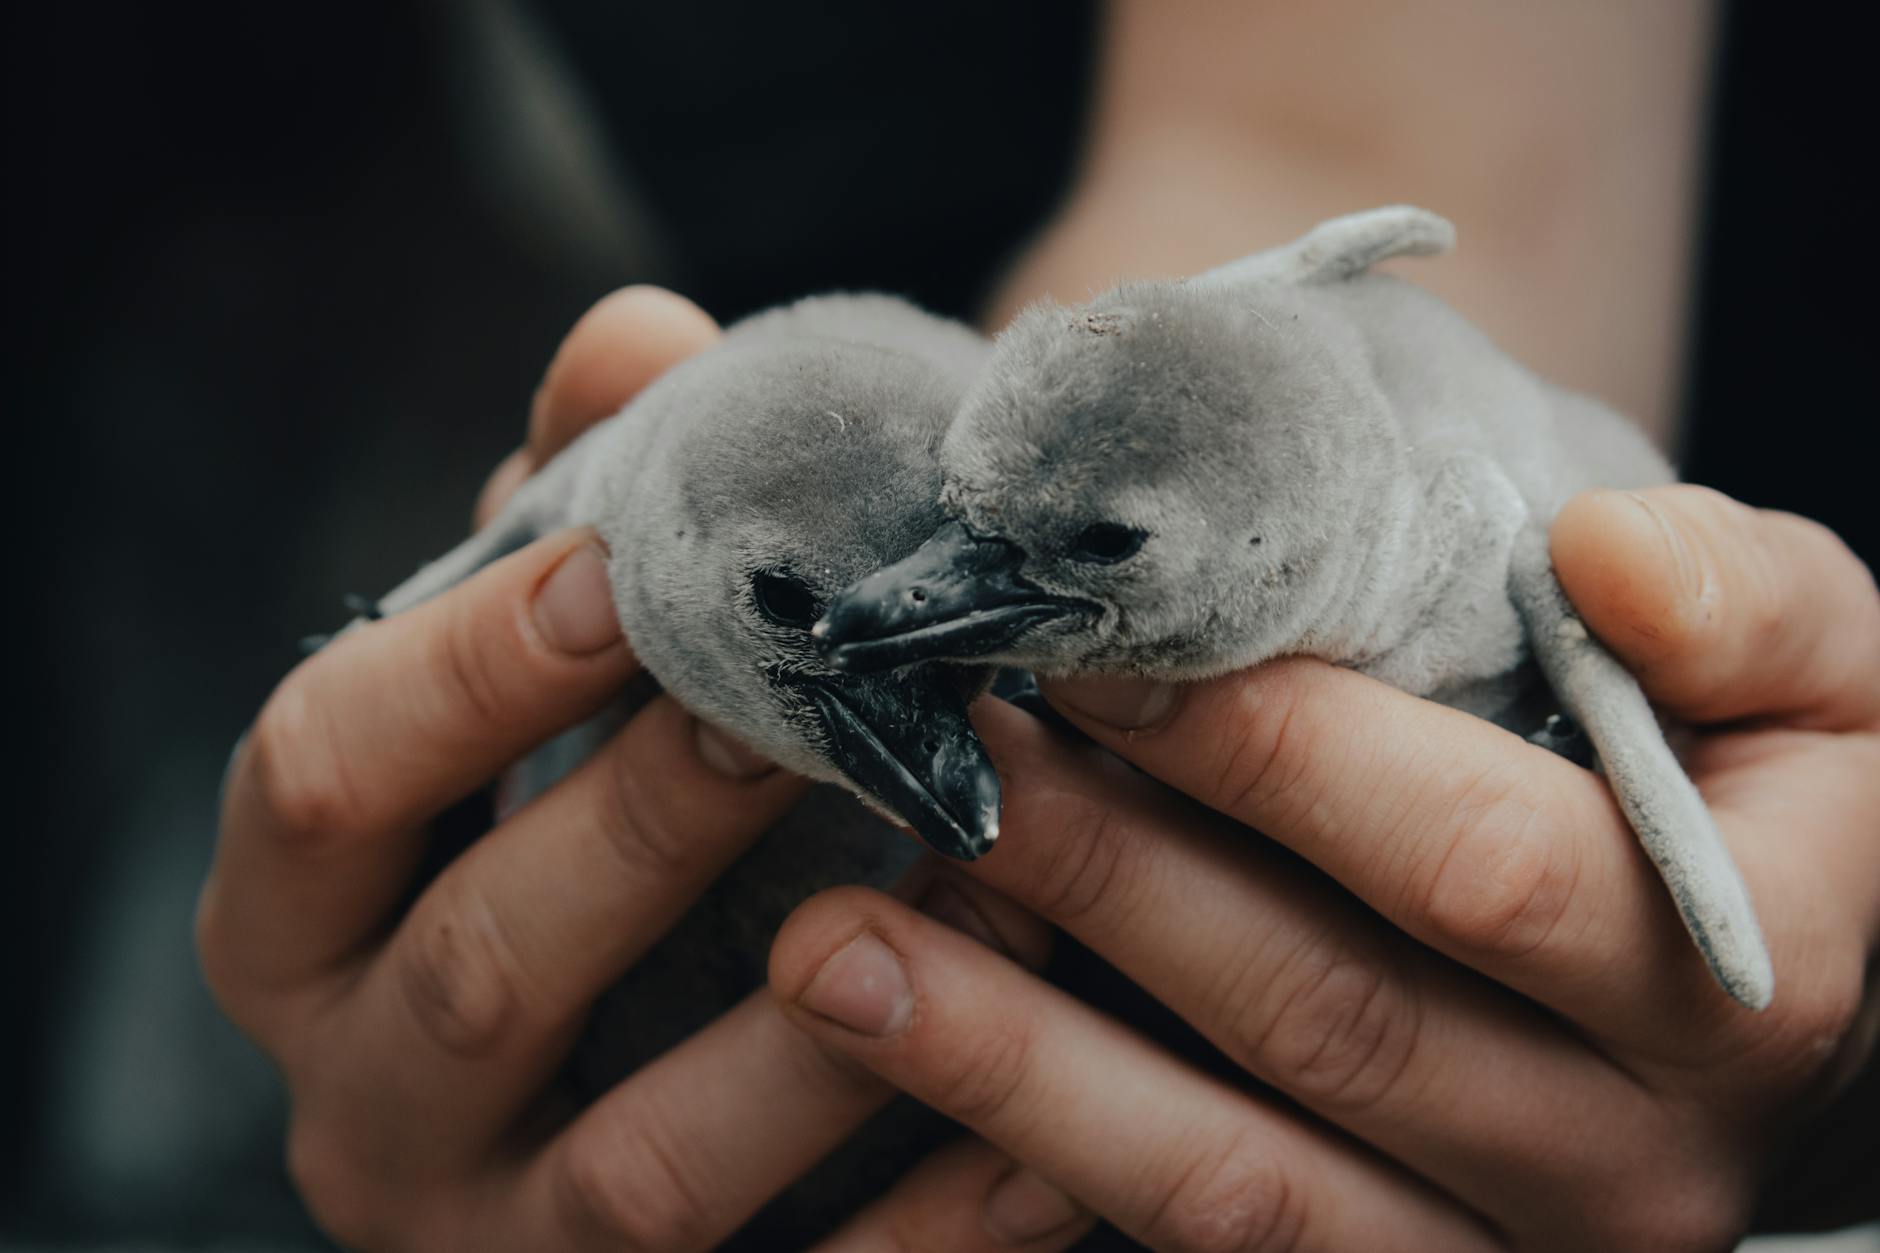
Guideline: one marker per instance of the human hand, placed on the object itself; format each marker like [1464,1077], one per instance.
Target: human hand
[1542,1061]
[420,1040]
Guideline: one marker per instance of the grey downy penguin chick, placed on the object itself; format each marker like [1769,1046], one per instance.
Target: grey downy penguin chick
[1293,455]
[736,494]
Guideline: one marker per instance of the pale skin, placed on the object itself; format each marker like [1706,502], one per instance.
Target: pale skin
[1549,1068]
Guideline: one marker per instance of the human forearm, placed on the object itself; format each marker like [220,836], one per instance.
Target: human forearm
[1562,141]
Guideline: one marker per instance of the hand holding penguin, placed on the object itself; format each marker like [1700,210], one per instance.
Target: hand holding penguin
[1468,967]
[422,1026]
[1293,455]
[1447,946]
[1563,1173]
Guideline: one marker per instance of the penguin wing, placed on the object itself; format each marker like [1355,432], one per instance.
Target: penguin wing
[1664,808]
[1340,248]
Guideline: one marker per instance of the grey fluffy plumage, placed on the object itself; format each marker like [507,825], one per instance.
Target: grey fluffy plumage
[1293,454]
[736,494]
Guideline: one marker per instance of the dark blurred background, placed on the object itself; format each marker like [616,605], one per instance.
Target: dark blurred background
[282,278]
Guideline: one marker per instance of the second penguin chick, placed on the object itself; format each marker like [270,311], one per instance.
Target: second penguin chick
[1294,455]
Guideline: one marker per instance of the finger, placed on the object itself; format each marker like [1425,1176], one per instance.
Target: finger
[503,482]
[362,744]
[689,1147]
[683,1152]
[469,1008]
[1172,1157]
[1724,611]
[620,345]
[964,1197]
[1296,984]
[1488,849]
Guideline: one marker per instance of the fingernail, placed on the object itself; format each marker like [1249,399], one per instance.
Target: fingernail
[1676,547]
[863,988]
[1024,1206]
[574,607]
[726,755]
[945,903]
[1124,703]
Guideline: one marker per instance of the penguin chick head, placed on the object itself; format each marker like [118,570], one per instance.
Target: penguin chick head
[1154,482]
[785,464]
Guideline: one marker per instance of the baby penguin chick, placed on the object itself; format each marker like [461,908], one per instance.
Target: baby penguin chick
[737,494]
[1293,455]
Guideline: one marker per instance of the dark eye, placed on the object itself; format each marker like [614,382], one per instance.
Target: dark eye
[1106,543]
[785,599]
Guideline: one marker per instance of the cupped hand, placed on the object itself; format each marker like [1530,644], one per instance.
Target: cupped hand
[1472,1015]
[420,1037]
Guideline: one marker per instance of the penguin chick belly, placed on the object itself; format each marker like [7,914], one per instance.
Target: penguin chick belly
[1447,629]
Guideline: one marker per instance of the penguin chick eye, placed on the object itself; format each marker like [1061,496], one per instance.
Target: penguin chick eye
[1106,543]
[785,599]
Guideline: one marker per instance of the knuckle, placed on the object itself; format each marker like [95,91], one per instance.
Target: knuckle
[983,1083]
[469,656]
[1758,603]
[1501,889]
[338,1190]
[1727,546]
[1234,1201]
[1821,1021]
[1341,1035]
[1718,516]
[1751,559]
[457,976]
[636,822]
[300,774]
[633,1193]
[1084,872]
[1260,772]
[1813,1021]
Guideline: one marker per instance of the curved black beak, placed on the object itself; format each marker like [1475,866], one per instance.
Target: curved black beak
[905,739]
[959,596]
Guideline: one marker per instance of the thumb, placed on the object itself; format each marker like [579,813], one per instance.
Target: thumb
[1721,610]
[628,339]
[625,341]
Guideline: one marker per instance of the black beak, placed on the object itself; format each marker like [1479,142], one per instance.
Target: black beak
[959,596]
[904,738]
